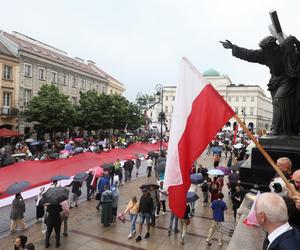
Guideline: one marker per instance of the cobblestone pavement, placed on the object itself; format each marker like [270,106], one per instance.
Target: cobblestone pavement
[86,231]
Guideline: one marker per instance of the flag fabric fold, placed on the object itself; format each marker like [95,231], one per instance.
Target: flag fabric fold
[199,113]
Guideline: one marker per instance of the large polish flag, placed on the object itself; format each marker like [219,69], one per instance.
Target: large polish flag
[199,113]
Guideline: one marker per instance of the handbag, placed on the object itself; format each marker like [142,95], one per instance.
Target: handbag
[226,228]
[79,193]
[98,196]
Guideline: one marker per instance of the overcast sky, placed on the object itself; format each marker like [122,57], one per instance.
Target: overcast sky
[141,42]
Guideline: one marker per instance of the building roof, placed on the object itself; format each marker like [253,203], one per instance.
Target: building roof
[211,72]
[5,51]
[49,53]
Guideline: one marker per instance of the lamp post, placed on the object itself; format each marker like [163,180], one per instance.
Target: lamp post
[244,114]
[160,94]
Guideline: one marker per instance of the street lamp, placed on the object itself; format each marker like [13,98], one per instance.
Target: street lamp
[160,95]
[244,114]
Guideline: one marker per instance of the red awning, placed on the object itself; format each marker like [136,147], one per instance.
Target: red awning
[4,132]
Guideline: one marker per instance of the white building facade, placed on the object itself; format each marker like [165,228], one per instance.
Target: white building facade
[248,101]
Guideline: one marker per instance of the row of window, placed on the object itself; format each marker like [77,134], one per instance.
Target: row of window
[237,98]
[244,111]
[167,98]
[64,79]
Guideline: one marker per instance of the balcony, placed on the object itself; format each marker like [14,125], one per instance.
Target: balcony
[9,112]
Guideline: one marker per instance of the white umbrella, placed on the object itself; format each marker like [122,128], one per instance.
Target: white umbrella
[29,140]
[215,172]
[238,145]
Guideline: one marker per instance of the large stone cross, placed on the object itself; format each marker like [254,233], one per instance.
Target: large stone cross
[275,27]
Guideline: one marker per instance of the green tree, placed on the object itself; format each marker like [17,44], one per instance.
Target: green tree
[51,109]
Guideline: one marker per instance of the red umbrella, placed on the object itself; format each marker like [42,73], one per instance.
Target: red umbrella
[98,171]
[78,139]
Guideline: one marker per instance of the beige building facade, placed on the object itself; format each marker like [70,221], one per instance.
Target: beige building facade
[9,90]
[39,64]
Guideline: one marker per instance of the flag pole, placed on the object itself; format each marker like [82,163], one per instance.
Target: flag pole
[267,156]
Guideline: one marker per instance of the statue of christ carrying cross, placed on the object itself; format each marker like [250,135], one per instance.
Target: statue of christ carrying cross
[283,60]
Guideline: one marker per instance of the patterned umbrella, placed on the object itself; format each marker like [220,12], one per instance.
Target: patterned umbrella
[215,172]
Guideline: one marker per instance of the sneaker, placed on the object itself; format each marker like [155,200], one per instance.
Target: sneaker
[208,242]
[147,235]
[65,234]
[220,243]
[129,236]
[169,232]
[156,215]
[133,233]
[182,240]
[47,245]
[176,231]
[57,245]
[139,238]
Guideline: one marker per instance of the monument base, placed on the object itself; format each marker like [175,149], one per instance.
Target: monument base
[261,172]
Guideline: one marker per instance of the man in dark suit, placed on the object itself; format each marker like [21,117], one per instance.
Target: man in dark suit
[272,216]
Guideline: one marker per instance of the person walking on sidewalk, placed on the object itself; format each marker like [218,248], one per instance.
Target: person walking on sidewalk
[145,211]
[132,208]
[115,201]
[17,213]
[76,191]
[53,221]
[106,203]
[89,187]
[149,166]
[218,206]
[174,218]
[137,165]
[185,221]
[163,195]
[65,215]
[118,170]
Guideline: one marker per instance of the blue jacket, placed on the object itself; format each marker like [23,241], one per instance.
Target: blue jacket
[289,240]
[104,180]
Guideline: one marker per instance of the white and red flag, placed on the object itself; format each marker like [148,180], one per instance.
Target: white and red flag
[199,113]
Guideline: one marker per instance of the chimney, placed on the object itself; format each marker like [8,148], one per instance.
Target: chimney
[79,59]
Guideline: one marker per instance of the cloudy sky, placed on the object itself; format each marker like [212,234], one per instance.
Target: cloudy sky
[141,42]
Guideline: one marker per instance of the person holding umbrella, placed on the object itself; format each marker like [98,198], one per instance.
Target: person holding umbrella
[17,213]
[53,221]
[89,187]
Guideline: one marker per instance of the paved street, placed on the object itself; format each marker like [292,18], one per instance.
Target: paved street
[86,231]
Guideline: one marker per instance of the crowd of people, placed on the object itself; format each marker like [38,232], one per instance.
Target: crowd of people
[153,200]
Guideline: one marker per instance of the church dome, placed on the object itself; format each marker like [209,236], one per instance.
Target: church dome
[211,72]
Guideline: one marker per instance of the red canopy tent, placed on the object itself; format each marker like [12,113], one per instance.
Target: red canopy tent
[4,132]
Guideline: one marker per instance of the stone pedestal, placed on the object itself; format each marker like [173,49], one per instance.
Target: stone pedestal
[261,171]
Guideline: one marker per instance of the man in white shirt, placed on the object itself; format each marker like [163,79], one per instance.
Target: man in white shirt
[272,216]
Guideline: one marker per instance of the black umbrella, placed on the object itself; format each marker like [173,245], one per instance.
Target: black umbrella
[54,195]
[196,178]
[60,177]
[150,182]
[17,187]
[161,166]
[152,154]
[191,197]
[107,166]
[80,176]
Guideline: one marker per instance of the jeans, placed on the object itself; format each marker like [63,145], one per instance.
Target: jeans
[163,203]
[173,216]
[145,216]
[133,218]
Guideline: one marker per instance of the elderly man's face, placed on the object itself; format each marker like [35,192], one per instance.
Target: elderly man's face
[296,179]
[283,165]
